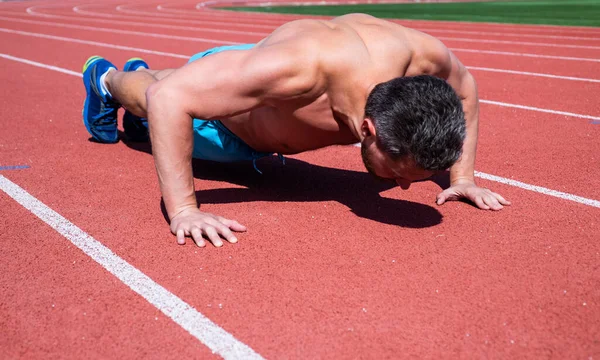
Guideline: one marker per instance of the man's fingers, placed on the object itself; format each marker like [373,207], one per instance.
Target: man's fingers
[497,204]
[222,229]
[236,226]
[226,233]
[479,202]
[180,236]
[502,200]
[445,196]
[483,198]
[232,224]
[491,201]
[441,198]
[201,226]
[197,236]
[213,236]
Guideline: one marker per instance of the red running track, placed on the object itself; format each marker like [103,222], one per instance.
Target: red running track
[335,264]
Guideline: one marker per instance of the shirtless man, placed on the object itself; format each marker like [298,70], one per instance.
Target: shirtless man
[310,84]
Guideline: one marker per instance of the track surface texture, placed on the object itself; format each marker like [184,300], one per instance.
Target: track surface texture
[334,264]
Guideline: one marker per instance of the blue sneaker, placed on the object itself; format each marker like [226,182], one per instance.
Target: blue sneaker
[99,110]
[136,128]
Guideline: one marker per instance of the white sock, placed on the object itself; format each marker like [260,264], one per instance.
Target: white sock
[103,87]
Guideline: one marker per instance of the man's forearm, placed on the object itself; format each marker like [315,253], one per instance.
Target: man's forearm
[171,136]
[464,168]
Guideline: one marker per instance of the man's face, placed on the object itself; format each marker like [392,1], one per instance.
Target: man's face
[380,165]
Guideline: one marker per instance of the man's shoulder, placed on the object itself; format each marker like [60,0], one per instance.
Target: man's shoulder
[429,55]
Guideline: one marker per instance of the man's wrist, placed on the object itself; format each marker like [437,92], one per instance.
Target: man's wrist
[181,209]
[462,180]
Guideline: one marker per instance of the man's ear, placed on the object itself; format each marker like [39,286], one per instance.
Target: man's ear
[368,128]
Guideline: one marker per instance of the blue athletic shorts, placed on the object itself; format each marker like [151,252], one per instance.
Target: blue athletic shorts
[212,140]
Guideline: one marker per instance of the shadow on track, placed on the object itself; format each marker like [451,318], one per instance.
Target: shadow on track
[299,181]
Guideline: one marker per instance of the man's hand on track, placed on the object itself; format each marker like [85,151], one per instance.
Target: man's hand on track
[484,198]
[193,223]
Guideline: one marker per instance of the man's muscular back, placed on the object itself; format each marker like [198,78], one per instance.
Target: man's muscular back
[349,55]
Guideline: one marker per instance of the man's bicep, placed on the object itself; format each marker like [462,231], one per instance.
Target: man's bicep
[233,82]
[211,87]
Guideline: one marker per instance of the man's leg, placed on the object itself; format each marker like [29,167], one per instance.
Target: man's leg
[107,89]
[129,88]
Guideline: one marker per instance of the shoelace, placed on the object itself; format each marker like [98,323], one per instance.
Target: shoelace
[102,119]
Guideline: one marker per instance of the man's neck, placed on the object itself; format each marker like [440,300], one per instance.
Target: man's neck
[355,120]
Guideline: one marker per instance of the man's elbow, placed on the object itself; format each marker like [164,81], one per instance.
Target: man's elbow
[165,107]
[469,86]
[161,96]
[156,94]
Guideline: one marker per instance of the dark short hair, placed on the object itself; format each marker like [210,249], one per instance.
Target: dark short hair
[419,116]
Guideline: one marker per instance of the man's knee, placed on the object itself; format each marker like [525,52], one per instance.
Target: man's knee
[157,74]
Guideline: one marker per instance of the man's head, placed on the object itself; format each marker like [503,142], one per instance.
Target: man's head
[413,127]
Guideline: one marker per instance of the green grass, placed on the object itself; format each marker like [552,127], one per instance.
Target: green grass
[551,12]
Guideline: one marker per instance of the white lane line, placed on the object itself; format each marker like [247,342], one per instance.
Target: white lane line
[202,328]
[119,31]
[510,27]
[123,9]
[526,73]
[38,64]
[508,53]
[162,8]
[522,185]
[491,33]
[258,23]
[202,16]
[94,43]
[539,189]
[208,5]
[129,23]
[523,107]
[222,42]
[78,10]
[197,14]
[479,51]
[539,29]
[520,43]
[483,101]
[535,188]
[174,11]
